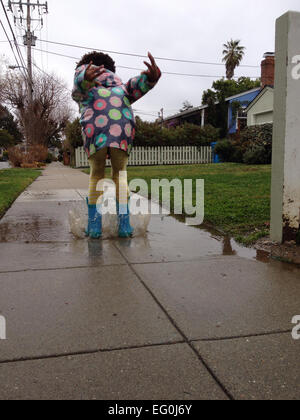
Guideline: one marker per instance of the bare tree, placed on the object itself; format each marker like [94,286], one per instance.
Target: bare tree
[46,116]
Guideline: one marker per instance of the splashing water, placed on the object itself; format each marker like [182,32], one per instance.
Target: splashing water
[78,219]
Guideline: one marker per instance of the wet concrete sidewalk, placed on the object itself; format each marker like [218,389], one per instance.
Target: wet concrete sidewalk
[179,314]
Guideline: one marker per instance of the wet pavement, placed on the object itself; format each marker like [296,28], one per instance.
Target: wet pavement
[181,313]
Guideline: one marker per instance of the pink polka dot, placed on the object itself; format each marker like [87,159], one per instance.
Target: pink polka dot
[101,121]
[115,130]
[114,144]
[115,101]
[89,113]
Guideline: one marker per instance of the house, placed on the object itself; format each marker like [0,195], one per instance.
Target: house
[260,110]
[259,101]
[237,118]
[237,104]
[195,115]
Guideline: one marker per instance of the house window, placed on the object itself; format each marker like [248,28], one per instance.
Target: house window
[241,120]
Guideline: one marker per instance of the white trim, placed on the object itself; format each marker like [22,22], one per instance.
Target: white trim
[264,112]
[242,94]
[255,100]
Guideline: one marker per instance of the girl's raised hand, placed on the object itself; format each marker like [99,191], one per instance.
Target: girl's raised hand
[92,73]
[153,73]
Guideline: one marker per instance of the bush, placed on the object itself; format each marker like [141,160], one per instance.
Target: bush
[152,134]
[258,135]
[38,153]
[225,150]
[252,146]
[34,154]
[257,155]
[255,144]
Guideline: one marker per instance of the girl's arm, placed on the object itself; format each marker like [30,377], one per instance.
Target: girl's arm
[140,85]
[85,80]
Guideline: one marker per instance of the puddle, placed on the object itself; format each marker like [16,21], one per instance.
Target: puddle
[78,220]
[229,245]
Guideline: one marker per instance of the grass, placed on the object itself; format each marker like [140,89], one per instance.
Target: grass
[12,183]
[237,197]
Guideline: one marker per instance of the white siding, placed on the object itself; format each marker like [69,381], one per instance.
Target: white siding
[262,111]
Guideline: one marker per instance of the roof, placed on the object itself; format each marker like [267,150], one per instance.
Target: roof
[200,108]
[243,94]
[255,100]
[187,112]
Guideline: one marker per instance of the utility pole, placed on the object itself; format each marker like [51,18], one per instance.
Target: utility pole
[162,117]
[29,60]
[29,39]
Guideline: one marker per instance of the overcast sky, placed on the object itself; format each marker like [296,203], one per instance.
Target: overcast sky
[188,30]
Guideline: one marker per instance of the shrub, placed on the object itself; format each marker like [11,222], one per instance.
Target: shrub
[258,135]
[252,146]
[152,134]
[16,157]
[225,149]
[257,155]
[34,154]
[256,144]
[39,153]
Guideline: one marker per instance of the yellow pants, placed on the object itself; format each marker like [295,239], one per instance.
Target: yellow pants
[119,160]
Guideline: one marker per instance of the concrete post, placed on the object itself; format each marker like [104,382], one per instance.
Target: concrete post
[285,205]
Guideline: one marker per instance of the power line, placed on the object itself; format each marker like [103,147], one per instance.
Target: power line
[10,42]
[141,56]
[14,40]
[139,69]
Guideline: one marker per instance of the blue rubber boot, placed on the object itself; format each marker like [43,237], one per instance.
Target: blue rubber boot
[125,230]
[94,229]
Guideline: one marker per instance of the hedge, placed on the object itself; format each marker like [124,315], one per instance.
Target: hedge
[252,146]
[153,134]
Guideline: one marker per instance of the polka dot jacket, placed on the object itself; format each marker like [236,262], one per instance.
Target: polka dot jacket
[107,118]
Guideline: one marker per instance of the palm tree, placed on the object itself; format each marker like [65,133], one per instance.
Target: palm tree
[233,55]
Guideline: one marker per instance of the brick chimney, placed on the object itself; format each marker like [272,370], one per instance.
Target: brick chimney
[268,70]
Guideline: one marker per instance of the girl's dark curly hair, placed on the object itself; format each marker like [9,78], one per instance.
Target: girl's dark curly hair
[98,59]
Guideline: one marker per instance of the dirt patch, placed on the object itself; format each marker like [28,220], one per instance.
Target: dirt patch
[287,252]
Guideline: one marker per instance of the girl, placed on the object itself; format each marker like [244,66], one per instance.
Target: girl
[108,128]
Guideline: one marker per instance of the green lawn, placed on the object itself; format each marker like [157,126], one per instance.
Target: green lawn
[237,197]
[12,183]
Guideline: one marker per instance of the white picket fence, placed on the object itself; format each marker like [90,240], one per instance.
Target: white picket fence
[146,156]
